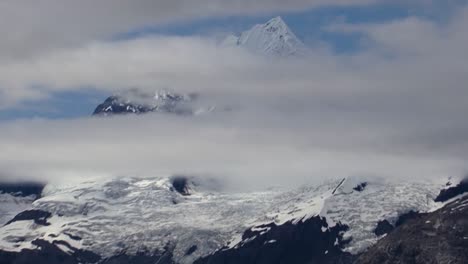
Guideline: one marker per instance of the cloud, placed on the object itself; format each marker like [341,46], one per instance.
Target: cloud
[32,28]
[404,62]
[254,152]
[396,108]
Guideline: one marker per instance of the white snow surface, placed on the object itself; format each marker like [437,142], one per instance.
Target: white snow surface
[274,38]
[380,200]
[133,215]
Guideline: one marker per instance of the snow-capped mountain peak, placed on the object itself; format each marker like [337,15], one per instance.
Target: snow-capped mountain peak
[273,38]
[277,23]
[138,102]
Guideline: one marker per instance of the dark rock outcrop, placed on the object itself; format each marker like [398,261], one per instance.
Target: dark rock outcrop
[436,237]
[304,242]
[140,258]
[406,217]
[452,192]
[116,105]
[360,187]
[138,102]
[181,185]
[191,250]
[39,217]
[48,253]
[383,227]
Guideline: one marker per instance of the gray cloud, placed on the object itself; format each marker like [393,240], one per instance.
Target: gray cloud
[33,27]
[256,151]
[396,109]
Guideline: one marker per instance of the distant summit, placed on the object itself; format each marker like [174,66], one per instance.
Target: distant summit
[274,38]
[138,102]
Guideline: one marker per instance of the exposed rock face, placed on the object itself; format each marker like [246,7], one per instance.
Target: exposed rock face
[142,258]
[304,242]
[53,253]
[406,217]
[181,184]
[117,105]
[48,253]
[452,192]
[139,102]
[39,217]
[360,187]
[383,227]
[436,237]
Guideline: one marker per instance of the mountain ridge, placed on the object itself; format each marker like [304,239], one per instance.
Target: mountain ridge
[190,219]
[273,38]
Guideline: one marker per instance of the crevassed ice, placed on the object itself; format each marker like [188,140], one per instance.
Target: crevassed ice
[134,215]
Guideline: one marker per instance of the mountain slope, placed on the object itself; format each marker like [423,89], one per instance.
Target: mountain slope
[15,198]
[274,38]
[138,102]
[436,237]
[193,219]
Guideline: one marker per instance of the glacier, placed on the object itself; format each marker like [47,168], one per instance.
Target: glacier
[134,215]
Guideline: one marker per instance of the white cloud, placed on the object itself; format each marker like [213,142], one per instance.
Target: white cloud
[32,27]
[236,147]
[395,109]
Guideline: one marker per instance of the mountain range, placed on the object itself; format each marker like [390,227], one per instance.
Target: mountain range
[184,219]
[193,220]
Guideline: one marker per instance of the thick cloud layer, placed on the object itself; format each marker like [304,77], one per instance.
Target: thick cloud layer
[253,151]
[394,109]
[31,27]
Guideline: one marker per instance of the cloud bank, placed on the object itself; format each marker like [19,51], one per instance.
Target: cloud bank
[37,27]
[395,109]
[234,147]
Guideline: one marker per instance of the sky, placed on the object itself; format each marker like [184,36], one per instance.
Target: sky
[381,91]
[309,24]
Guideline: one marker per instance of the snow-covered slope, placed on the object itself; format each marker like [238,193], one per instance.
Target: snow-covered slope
[133,215]
[274,38]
